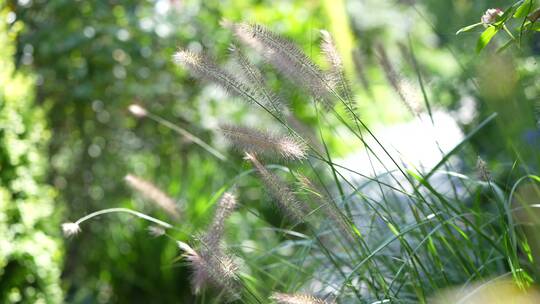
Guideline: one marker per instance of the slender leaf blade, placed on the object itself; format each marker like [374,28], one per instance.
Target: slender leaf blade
[468,28]
[524,9]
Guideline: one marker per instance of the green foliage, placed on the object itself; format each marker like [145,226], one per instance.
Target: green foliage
[30,250]
[485,38]
[526,11]
[92,59]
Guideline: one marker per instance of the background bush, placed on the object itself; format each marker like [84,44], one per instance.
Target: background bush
[31,250]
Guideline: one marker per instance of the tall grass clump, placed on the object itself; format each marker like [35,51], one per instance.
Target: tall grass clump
[346,236]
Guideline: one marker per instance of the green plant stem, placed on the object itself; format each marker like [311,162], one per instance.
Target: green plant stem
[187,135]
[124,210]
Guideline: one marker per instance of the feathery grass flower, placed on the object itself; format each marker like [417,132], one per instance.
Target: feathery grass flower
[407,92]
[211,268]
[202,66]
[253,76]
[336,75]
[137,110]
[284,56]
[284,196]
[264,143]
[153,193]
[329,209]
[70,229]
[297,298]
[482,170]
[156,231]
[214,234]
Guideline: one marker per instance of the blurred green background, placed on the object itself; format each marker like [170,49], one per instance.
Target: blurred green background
[69,70]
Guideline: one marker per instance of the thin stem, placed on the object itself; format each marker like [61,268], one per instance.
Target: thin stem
[508,32]
[125,210]
[187,135]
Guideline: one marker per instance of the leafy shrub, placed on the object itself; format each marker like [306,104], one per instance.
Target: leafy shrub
[30,252]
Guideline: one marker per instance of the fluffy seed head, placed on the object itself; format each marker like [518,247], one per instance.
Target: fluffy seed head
[407,93]
[482,170]
[251,75]
[264,143]
[200,275]
[156,231]
[214,234]
[330,51]
[186,57]
[297,298]
[204,67]
[198,64]
[284,56]
[70,229]
[186,248]
[284,196]
[210,268]
[329,209]
[153,193]
[305,132]
[137,110]
[336,75]
[411,95]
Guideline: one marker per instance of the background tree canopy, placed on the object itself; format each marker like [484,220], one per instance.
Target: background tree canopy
[70,69]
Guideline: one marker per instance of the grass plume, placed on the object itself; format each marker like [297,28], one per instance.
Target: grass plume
[264,143]
[336,74]
[406,91]
[225,208]
[284,56]
[253,76]
[297,298]
[211,268]
[328,208]
[153,193]
[202,66]
[286,200]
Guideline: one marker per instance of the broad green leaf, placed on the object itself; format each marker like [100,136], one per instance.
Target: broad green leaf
[485,38]
[468,28]
[524,9]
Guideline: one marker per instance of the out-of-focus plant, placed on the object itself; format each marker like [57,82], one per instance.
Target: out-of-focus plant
[30,251]
[525,12]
